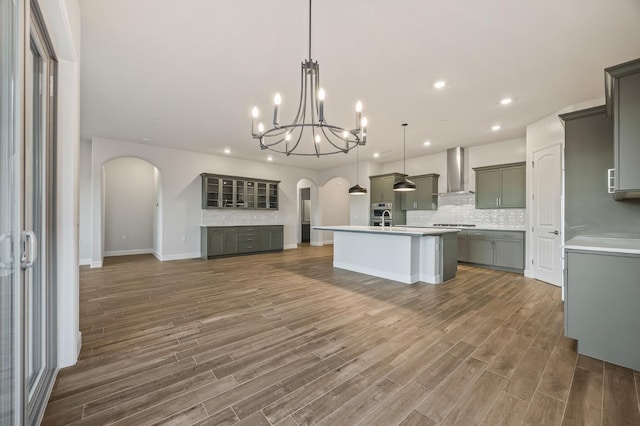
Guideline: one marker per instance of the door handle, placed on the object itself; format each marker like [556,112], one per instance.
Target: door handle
[554,232]
[29,246]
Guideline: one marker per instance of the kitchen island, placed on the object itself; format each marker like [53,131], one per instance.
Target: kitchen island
[407,255]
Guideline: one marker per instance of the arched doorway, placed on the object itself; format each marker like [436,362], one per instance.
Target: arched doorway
[132,217]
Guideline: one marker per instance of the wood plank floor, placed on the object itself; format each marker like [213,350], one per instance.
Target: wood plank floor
[286,339]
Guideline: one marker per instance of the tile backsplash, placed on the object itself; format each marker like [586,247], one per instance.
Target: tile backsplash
[461,208]
[237,217]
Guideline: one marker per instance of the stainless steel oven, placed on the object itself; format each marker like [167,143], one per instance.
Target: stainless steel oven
[377,209]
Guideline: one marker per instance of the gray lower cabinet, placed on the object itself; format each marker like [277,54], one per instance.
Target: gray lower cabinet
[602,291]
[497,249]
[271,238]
[220,242]
[463,246]
[235,240]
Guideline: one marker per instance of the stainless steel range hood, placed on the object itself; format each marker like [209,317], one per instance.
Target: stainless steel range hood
[455,170]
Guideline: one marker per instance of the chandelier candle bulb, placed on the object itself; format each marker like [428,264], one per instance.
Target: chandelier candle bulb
[277,99]
[358,114]
[321,105]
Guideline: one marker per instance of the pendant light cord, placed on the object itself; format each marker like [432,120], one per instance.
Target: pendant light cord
[404,148]
[309,30]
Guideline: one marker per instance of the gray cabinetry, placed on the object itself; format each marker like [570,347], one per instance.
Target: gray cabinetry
[497,249]
[480,247]
[425,197]
[601,305]
[220,242]
[382,187]
[501,186]
[232,240]
[232,192]
[463,245]
[622,87]
[271,238]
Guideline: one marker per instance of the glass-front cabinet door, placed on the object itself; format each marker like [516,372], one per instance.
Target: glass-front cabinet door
[262,195]
[241,196]
[251,195]
[273,196]
[227,193]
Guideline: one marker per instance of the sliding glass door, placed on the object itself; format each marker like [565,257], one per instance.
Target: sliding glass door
[38,236]
[27,213]
[10,296]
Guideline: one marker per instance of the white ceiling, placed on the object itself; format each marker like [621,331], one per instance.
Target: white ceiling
[186,73]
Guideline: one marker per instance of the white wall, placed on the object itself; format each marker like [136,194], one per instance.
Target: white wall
[129,206]
[62,19]
[84,207]
[181,194]
[157,212]
[335,204]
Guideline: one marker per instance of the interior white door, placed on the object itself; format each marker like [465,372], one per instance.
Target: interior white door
[546,218]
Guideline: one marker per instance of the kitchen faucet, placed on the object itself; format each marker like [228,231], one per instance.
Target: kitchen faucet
[390,220]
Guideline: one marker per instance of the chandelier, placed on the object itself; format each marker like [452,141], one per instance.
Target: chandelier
[324,138]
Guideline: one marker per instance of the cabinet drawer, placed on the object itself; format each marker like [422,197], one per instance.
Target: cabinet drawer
[508,235]
[247,236]
[248,246]
[485,235]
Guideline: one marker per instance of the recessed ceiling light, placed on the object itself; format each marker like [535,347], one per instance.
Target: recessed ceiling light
[439,84]
[376,155]
[427,143]
[227,151]
[506,101]
[146,140]
[496,127]
[269,158]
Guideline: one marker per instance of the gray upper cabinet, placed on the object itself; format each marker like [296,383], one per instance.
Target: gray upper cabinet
[501,186]
[382,187]
[232,192]
[425,197]
[622,87]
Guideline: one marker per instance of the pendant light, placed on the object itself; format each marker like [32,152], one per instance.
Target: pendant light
[357,189]
[404,184]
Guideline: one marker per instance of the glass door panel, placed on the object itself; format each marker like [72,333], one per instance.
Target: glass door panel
[227,193]
[34,215]
[262,195]
[273,196]
[251,195]
[10,355]
[240,194]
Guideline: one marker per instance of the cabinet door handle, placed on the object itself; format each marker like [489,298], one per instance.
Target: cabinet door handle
[611,181]
[554,232]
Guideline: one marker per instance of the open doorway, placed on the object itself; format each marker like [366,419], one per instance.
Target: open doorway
[131,207]
[305,215]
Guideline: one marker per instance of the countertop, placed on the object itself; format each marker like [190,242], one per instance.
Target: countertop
[237,226]
[395,230]
[612,245]
[473,228]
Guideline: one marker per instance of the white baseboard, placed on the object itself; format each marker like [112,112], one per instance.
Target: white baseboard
[315,243]
[327,243]
[180,256]
[290,246]
[127,252]
[84,262]
[157,255]
[96,264]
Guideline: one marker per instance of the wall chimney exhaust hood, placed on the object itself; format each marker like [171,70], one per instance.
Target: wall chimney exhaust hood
[455,171]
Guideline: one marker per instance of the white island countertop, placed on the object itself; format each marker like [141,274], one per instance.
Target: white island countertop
[611,245]
[472,228]
[394,230]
